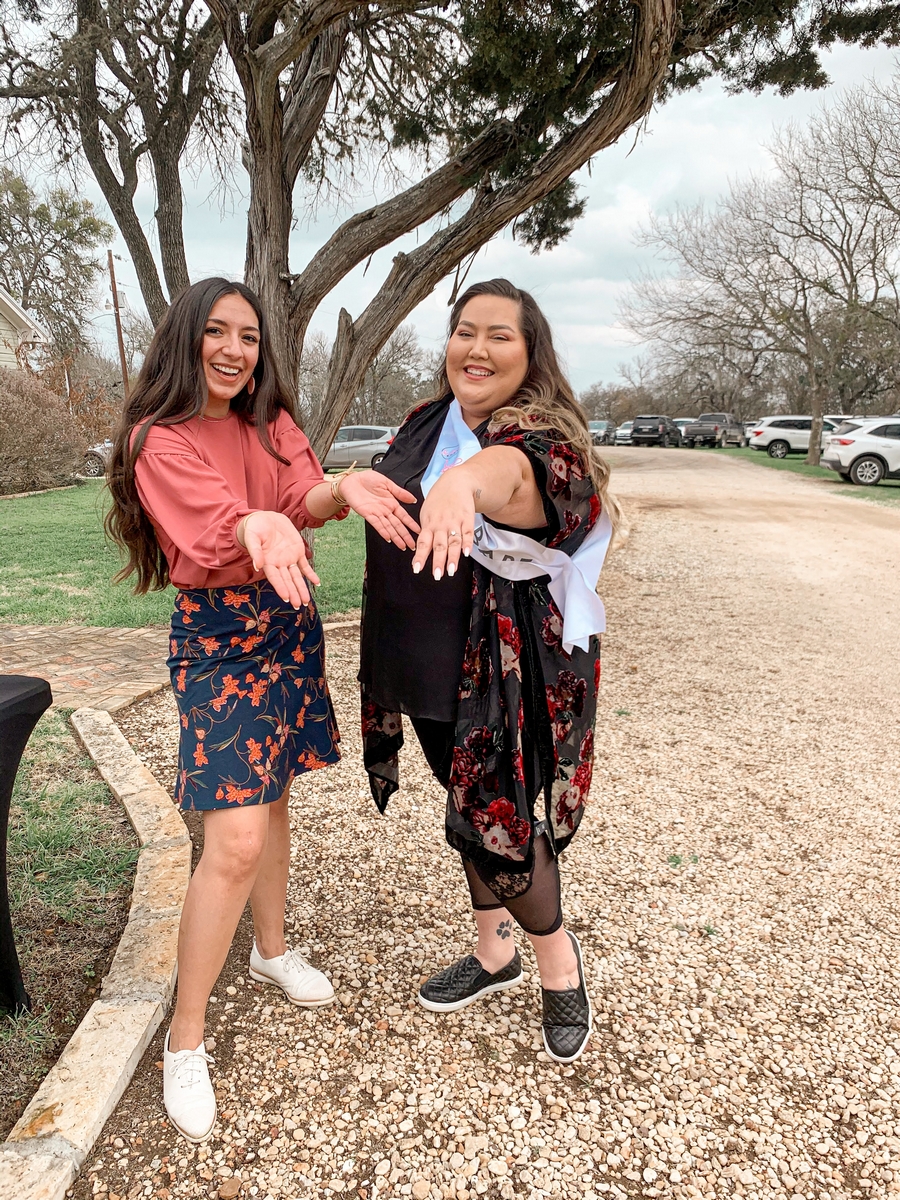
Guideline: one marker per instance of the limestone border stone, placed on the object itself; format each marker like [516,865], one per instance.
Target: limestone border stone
[51,1140]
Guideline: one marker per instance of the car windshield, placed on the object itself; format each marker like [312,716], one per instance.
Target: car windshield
[713,417]
[847,426]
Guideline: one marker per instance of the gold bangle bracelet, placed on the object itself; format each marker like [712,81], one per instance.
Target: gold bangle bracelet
[336,485]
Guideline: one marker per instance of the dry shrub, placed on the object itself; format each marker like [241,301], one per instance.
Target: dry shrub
[40,445]
[87,385]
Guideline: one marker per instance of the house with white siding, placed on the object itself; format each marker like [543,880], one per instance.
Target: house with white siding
[17,331]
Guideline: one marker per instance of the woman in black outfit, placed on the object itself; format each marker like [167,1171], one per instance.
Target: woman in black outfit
[501,700]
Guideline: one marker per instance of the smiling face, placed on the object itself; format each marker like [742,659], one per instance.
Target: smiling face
[230,351]
[487,357]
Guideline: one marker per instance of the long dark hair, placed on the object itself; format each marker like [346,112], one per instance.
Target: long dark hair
[545,401]
[171,389]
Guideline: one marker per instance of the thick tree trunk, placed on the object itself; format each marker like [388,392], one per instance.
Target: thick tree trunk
[169,217]
[817,393]
[268,234]
[815,434]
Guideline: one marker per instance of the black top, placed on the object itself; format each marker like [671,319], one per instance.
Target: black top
[414,630]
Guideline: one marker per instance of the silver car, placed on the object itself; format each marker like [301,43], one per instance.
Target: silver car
[96,460]
[365,445]
[623,434]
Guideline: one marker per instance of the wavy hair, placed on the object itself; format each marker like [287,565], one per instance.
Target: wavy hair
[171,389]
[545,401]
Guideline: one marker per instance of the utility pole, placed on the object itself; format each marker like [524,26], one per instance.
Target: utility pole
[115,300]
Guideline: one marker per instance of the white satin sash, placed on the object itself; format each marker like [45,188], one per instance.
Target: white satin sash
[573,578]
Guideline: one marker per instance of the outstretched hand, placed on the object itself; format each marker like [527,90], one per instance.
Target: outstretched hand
[276,548]
[381,501]
[448,524]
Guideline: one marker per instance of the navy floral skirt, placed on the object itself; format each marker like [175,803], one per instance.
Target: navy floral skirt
[248,674]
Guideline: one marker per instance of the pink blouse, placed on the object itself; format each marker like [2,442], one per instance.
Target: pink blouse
[198,479]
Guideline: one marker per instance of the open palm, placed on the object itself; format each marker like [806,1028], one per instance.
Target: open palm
[380,501]
[276,547]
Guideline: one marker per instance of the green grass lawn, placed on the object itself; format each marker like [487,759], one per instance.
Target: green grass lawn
[56,564]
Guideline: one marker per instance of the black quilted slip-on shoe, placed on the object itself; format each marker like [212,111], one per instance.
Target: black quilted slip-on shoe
[566,1026]
[465,982]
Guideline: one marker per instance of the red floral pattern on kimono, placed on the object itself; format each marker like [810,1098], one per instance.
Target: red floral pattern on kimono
[520,693]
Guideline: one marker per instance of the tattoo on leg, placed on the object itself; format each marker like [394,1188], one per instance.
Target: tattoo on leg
[504,929]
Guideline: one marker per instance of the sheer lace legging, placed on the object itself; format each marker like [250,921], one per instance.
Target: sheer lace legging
[539,909]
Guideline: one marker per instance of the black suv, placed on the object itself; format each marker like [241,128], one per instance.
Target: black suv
[655,431]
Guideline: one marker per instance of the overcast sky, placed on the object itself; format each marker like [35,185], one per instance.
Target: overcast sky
[692,146]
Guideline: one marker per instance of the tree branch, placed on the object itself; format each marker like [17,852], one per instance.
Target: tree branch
[413,276]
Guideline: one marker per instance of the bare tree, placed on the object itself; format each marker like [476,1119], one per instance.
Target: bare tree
[392,382]
[784,267]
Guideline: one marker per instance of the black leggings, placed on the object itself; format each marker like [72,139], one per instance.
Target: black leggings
[539,909]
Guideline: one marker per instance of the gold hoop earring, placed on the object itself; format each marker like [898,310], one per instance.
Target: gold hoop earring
[251,385]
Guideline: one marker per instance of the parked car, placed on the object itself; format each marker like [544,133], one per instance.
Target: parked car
[95,460]
[623,434]
[362,444]
[603,433]
[714,429]
[781,436]
[866,453]
[681,422]
[655,430]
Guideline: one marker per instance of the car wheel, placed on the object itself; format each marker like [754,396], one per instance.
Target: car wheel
[777,449]
[745,442]
[665,441]
[93,466]
[867,471]
[376,459]
[689,442]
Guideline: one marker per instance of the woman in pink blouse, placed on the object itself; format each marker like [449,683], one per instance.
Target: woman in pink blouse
[211,481]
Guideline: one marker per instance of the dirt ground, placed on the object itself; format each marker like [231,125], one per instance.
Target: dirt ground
[734,886]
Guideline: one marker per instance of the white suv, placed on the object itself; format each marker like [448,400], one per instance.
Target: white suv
[778,436]
[865,451]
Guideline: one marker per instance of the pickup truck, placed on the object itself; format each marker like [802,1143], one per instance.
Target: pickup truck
[714,429]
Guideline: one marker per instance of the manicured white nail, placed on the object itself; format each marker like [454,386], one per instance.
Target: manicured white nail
[466,553]
[451,570]
[437,573]
[417,567]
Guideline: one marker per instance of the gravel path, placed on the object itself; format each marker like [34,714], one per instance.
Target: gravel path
[735,887]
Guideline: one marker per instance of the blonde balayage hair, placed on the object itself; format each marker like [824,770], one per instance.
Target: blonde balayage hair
[545,401]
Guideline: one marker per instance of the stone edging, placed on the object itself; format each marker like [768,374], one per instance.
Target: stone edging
[51,1140]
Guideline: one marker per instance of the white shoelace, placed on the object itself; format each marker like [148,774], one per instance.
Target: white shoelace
[293,960]
[188,1069]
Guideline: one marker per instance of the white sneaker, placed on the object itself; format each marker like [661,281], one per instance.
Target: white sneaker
[300,982]
[187,1092]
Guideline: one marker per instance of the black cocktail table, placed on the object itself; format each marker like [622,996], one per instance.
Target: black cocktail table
[23,700]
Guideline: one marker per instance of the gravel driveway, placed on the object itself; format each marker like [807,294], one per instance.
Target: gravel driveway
[735,888]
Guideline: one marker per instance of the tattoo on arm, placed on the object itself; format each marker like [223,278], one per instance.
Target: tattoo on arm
[504,929]
[477,494]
